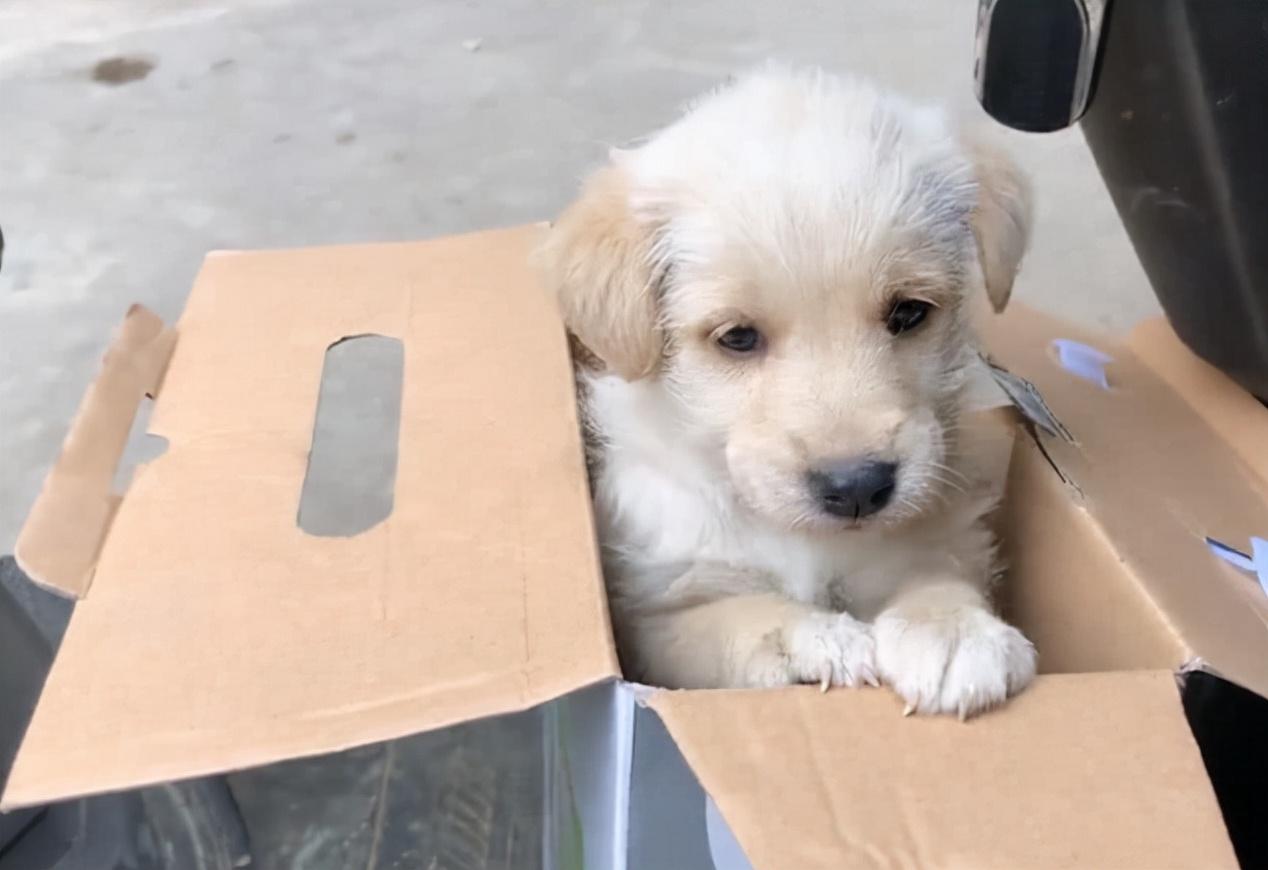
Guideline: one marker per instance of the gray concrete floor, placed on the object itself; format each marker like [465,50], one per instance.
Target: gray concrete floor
[251,123]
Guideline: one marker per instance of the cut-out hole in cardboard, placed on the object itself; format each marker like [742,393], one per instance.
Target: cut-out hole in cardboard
[351,478]
[142,447]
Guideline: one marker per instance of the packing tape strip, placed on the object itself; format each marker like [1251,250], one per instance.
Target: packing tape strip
[1256,563]
[1083,361]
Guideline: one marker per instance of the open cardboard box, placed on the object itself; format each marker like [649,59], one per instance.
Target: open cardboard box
[214,634]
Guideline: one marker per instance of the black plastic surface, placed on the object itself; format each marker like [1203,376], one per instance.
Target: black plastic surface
[1031,62]
[31,626]
[1179,128]
[1230,724]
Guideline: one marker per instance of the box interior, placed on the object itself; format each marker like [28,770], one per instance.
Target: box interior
[1106,524]
[1066,587]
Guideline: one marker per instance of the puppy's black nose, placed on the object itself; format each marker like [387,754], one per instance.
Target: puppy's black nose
[855,488]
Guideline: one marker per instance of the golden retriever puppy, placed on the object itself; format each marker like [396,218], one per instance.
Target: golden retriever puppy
[770,301]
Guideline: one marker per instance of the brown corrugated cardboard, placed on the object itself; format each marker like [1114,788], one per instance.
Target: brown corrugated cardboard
[1067,584]
[63,535]
[1242,420]
[1063,778]
[1157,479]
[215,634]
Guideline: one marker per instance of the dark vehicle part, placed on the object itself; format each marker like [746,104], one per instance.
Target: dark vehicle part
[1174,93]
[1035,60]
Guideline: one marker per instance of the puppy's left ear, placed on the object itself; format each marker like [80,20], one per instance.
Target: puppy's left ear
[1000,219]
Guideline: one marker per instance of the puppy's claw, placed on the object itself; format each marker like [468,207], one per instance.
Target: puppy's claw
[825,680]
[909,709]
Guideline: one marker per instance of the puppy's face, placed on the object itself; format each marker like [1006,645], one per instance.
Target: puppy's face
[830,387]
[796,280]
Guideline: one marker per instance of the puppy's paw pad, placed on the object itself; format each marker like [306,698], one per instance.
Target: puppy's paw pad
[962,663]
[831,649]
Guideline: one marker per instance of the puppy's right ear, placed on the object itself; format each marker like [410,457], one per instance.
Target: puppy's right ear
[598,259]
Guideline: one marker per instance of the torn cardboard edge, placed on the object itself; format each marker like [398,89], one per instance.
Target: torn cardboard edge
[1037,418]
[68,524]
[1025,398]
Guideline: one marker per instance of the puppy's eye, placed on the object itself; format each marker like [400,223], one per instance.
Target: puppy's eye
[740,339]
[906,315]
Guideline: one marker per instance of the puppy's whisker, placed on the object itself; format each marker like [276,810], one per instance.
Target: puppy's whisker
[949,470]
[945,485]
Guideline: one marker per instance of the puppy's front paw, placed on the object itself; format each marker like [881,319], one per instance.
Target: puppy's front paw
[963,662]
[830,649]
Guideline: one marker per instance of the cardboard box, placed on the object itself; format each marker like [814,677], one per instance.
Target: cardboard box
[214,634]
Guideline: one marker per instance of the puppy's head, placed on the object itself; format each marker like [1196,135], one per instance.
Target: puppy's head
[792,263]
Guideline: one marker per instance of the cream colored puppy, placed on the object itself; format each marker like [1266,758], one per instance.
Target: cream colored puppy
[770,298]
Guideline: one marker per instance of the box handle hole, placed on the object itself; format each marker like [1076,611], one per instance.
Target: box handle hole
[351,480]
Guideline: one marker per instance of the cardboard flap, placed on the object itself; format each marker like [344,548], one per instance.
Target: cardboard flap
[1088,770]
[63,533]
[219,635]
[1158,479]
[1238,416]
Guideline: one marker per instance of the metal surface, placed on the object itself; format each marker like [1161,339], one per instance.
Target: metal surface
[1036,60]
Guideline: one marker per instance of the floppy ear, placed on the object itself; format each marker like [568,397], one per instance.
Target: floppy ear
[598,260]
[1000,219]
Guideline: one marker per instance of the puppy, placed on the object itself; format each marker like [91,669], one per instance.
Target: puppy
[769,302]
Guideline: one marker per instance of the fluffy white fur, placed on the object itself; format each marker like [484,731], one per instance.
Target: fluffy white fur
[804,206]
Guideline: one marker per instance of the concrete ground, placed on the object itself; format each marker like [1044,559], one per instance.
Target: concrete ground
[136,135]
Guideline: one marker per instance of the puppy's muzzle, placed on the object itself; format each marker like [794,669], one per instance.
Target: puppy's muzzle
[853,489]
